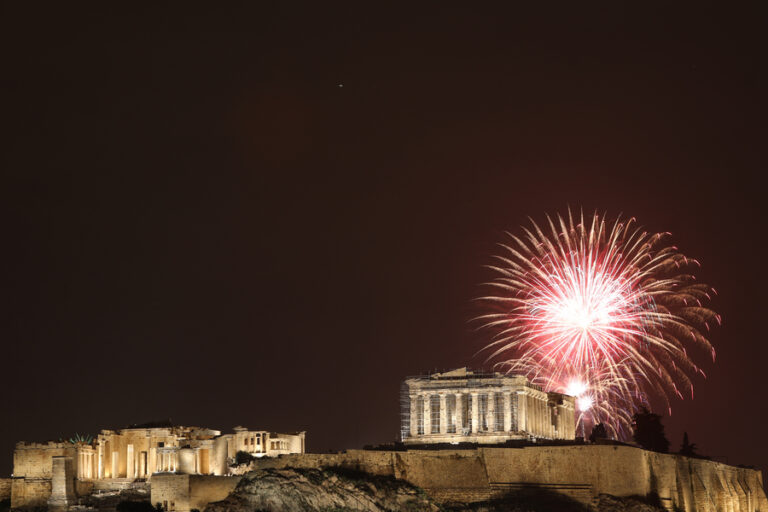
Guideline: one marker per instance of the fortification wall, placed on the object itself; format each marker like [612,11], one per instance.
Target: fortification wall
[182,493]
[5,488]
[171,491]
[204,489]
[32,492]
[35,460]
[583,472]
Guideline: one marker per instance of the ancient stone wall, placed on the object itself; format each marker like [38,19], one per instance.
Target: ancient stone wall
[34,460]
[170,491]
[62,483]
[583,472]
[33,469]
[204,489]
[182,493]
[5,488]
[31,492]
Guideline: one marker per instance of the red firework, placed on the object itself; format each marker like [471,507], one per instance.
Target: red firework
[601,310]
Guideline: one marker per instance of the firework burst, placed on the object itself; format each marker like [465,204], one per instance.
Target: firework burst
[601,310]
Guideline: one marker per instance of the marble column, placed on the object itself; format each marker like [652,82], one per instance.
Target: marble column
[130,462]
[531,406]
[538,417]
[427,414]
[443,414]
[459,414]
[414,426]
[491,411]
[507,411]
[475,412]
[551,419]
[540,405]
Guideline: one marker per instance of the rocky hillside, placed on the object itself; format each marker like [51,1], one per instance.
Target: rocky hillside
[337,490]
[298,490]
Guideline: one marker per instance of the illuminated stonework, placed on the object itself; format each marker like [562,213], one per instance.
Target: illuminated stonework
[132,455]
[462,406]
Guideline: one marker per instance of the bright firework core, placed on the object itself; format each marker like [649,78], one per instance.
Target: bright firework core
[584,307]
[578,313]
[575,388]
[584,403]
[600,309]
[578,389]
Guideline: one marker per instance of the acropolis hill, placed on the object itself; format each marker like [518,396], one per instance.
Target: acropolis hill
[468,438]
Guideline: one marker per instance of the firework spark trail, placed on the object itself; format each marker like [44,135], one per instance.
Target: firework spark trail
[603,309]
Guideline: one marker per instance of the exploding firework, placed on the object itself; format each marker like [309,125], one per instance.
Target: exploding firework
[600,310]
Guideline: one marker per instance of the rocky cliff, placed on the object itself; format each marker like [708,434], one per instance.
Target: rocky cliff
[583,473]
[297,490]
[338,489]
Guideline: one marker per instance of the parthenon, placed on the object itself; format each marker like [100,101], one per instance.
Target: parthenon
[466,406]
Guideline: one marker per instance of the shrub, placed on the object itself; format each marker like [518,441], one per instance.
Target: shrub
[136,506]
[242,457]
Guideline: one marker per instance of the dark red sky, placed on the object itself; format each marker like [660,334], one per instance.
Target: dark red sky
[199,223]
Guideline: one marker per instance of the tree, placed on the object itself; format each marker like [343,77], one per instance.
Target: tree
[137,506]
[687,449]
[649,432]
[598,432]
[242,457]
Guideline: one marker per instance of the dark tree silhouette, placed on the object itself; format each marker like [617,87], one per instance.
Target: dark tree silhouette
[242,457]
[137,506]
[598,432]
[649,432]
[688,449]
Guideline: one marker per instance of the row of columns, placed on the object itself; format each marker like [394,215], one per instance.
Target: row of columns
[167,461]
[141,464]
[522,411]
[458,420]
[184,460]
[535,416]
[85,464]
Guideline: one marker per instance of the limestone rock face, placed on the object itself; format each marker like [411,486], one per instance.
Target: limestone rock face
[297,490]
[608,503]
[342,490]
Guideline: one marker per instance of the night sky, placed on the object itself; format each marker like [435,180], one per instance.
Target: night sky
[271,215]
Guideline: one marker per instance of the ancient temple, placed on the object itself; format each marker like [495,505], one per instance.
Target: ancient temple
[118,458]
[463,406]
